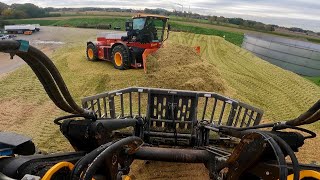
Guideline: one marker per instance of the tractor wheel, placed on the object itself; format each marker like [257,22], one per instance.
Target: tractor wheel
[92,52]
[120,58]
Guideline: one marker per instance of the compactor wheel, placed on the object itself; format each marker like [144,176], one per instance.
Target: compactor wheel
[92,52]
[120,58]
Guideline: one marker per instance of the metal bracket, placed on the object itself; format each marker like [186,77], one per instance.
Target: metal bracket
[24,46]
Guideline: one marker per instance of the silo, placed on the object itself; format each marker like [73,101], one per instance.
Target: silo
[297,56]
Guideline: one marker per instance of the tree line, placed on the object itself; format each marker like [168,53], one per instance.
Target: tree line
[242,23]
[27,10]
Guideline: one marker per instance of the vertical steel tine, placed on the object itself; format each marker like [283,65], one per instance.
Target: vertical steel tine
[244,117]
[213,110]
[238,115]
[105,107]
[139,104]
[205,108]
[130,101]
[92,105]
[258,119]
[222,111]
[99,108]
[121,104]
[112,107]
[250,118]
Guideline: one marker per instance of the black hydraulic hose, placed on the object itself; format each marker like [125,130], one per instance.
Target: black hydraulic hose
[9,46]
[58,78]
[40,58]
[315,117]
[246,128]
[294,160]
[106,153]
[57,120]
[46,80]
[311,134]
[85,160]
[283,171]
[299,120]
[4,177]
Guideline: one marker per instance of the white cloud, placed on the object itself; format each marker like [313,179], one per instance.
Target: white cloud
[263,10]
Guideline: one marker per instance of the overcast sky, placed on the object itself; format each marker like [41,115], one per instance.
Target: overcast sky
[300,13]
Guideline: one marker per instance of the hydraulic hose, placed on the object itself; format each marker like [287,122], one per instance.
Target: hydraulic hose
[107,153]
[283,171]
[43,75]
[311,134]
[294,160]
[57,77]
[87,165]
[46,80]
[315,117]
[47,74]
[303,118]
[85,160]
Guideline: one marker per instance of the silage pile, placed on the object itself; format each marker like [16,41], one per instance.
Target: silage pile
[179,67]
[280,93]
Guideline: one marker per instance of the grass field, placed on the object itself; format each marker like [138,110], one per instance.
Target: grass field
[233,37]
[233,33]
[282,94]
[75,22]
[316,80]
[42,22]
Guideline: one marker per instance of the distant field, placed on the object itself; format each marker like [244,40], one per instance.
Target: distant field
[74,22]
[233,37]
[42,22]
[199,26]
[316,80]
[92,21]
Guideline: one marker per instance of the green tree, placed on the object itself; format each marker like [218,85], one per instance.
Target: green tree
[3,7]
[7,13]
[29,9]
[18,14]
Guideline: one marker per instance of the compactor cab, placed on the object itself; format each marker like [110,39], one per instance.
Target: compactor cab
[146,28]
[144,35]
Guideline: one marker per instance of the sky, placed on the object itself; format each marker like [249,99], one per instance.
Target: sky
[290,13]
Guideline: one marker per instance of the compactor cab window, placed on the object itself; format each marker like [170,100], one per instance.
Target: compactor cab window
[138,23]
[155,26]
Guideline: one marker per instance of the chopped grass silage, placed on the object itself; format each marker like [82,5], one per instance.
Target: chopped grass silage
[282,94]
[179,67]
[27,109]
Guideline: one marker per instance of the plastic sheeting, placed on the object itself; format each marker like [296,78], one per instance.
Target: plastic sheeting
[294,55]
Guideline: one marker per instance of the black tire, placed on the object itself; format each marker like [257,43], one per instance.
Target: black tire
[92,48]
[125,60]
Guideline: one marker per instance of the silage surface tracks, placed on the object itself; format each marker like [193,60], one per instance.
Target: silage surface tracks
[178,66]
[281,94]
[29,111]
[27,108]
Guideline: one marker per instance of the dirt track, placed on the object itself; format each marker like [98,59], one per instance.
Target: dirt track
[48,40]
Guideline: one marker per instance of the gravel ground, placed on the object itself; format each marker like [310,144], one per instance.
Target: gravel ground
[48,39]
